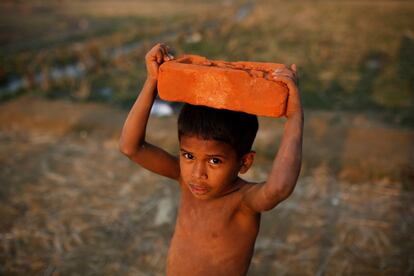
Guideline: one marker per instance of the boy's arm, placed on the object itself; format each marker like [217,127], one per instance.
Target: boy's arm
[287,163]
[132,142]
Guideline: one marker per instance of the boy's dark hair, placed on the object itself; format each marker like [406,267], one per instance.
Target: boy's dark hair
[237,129]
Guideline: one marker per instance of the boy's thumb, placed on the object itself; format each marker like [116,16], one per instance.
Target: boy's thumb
[293,67]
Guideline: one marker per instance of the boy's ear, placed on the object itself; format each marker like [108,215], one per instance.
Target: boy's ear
[247,161]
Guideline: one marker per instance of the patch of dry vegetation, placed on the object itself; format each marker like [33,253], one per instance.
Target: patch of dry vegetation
[72,204]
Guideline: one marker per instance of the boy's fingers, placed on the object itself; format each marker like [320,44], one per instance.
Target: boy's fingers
[169,52]
[288,80]
[159,57]
[155,53]
[290,72]
[284,73]
[281,69]
[283,78]
[158,47]
[165,50]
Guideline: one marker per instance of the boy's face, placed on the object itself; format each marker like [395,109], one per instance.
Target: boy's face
[208,167]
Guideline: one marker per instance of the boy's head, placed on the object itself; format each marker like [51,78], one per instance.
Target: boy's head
[237,129]
[214,148]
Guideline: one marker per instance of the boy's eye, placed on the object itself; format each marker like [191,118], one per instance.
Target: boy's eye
[214,161]
[188,155]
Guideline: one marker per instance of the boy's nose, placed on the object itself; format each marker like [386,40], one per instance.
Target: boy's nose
[199,171]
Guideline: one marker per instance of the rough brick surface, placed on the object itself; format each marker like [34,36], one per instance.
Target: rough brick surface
[239,86]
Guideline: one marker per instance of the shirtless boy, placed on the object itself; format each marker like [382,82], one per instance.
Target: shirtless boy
[219,212]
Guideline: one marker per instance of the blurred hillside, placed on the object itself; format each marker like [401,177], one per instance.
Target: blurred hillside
[353,55]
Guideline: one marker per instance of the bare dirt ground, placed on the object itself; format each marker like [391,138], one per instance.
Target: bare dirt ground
[71,204]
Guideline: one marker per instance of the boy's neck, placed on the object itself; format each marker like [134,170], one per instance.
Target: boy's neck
[233,187]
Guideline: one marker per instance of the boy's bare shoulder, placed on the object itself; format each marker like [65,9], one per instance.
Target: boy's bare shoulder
[247,185]
[245,188]
[242,186]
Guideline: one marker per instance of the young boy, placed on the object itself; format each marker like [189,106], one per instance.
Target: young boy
[219,212]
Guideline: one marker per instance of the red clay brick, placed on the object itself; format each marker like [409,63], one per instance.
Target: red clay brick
[239,86]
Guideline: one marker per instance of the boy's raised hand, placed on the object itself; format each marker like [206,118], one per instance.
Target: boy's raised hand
[289,77]
[155,57]
[287,163]
[132,142]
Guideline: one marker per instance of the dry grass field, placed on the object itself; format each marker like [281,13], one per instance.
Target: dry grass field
[71,204]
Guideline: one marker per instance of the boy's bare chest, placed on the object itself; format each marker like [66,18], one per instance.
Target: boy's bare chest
[212,237]
[212,219]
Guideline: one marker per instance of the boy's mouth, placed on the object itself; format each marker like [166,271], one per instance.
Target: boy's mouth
[198,189]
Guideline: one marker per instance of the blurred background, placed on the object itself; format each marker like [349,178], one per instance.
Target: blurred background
[71,204]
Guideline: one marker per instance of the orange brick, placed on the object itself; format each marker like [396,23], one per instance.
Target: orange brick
[239,86]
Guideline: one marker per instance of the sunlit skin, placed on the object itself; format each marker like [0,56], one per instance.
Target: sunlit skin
[209,168]
[219,212]
[212,224]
